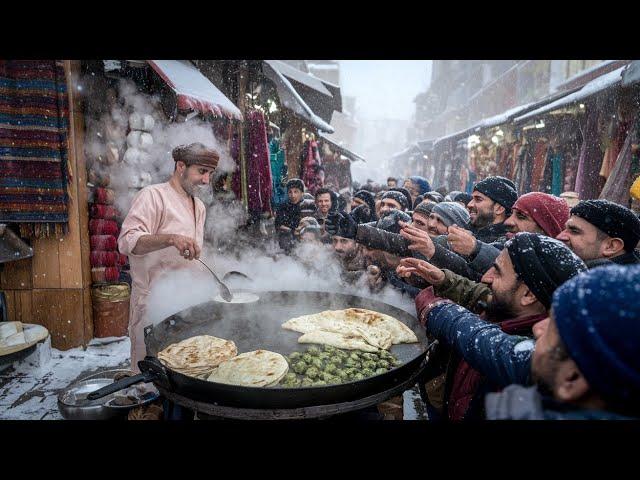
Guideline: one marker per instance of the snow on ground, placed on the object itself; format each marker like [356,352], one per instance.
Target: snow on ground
[29,388]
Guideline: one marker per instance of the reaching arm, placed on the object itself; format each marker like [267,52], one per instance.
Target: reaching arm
[504,359]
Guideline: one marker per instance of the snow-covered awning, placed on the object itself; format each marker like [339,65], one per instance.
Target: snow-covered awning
[354,157]
[597,85]
[454,136]
[308,97]
[631,74]
[413,149]
[193,90]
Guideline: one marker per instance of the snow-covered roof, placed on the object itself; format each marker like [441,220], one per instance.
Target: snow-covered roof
[299,76]
[501,118]
[290,98]
[597,85]
[193,90]
[354,157]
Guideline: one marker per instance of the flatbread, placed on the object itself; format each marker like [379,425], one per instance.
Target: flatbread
[399,332]
[368,319]
[260,368]
[338,340]
[198,356]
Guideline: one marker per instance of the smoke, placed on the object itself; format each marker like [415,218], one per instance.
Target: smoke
[229,245]
[133,162]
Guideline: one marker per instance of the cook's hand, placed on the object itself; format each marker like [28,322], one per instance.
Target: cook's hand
[427,271]
[420,240]
[462,241]
[187,247]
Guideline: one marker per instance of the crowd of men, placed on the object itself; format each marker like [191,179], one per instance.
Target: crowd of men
[532,301]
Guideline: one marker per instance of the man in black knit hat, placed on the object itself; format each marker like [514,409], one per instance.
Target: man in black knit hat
[600,232]
[518,293]
[490,206]
[288,214]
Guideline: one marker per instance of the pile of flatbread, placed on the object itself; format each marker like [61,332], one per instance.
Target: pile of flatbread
[198,356]
[217,360]
[260,368]
[351,329]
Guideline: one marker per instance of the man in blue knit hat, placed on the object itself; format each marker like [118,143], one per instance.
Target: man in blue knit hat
[585,363]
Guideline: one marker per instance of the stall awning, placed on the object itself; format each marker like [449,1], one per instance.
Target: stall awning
[425,145]
[597,85]
[193,90]
[354,157]
[413,149]
[454,136]
[631,74]
[306,96]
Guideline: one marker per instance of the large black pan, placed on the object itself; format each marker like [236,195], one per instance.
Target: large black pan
[258,326]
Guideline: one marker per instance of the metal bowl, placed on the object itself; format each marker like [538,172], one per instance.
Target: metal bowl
[73,403]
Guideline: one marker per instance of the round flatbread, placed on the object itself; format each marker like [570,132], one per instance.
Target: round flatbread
[198,356]
[260,368]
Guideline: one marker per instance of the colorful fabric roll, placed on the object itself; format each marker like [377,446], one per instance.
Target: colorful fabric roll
[107,243]
[105,274]
[122,259]
[103,227]
[105,196]
[104,259]
[105,212]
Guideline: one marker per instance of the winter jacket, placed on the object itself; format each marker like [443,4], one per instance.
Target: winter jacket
[491,233]
[502,358]
[525,403]
[465,386]
[466,293]
[628,258]
[378,239]
[484,255]
[288,215]
[445,258]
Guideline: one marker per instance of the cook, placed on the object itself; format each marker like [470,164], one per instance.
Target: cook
[164,226]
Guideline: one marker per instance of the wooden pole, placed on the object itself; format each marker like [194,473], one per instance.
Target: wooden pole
[242,105]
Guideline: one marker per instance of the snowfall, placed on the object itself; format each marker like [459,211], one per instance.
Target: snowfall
[29,388]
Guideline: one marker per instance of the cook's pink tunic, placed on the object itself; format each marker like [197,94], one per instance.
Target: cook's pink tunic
[156,209]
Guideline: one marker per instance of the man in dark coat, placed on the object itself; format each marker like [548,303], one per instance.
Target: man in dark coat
[586,364]
[288,214]
[522,282]
[490,206]
[602,231]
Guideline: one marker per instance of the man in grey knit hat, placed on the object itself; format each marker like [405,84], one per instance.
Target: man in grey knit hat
[445,214]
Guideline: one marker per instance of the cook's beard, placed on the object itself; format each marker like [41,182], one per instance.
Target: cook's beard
[203,192]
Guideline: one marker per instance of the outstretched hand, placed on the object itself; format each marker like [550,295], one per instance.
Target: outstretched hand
[462,241]
[420,240]
[414,266]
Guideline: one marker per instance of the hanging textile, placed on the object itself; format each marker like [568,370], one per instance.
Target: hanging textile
[278,173]
[311,167]
[34,171]
[537,170]
[258,165]
[613,150]
[587,180]
[619,182]
[556,163]
[236,180]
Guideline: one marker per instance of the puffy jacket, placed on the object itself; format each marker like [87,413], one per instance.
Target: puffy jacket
[502,358]
[288,215]
[491,233]
[525,403]
[482,258]
[379,239]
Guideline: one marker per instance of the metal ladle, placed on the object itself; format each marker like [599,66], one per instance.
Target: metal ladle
[224,290]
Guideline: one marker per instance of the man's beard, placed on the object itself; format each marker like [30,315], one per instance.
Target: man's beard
[195,190]
[498,309]
[483,219]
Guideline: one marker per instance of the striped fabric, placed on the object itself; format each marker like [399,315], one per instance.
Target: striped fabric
[33,146]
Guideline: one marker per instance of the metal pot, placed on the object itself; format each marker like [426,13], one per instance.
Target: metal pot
[74,405]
